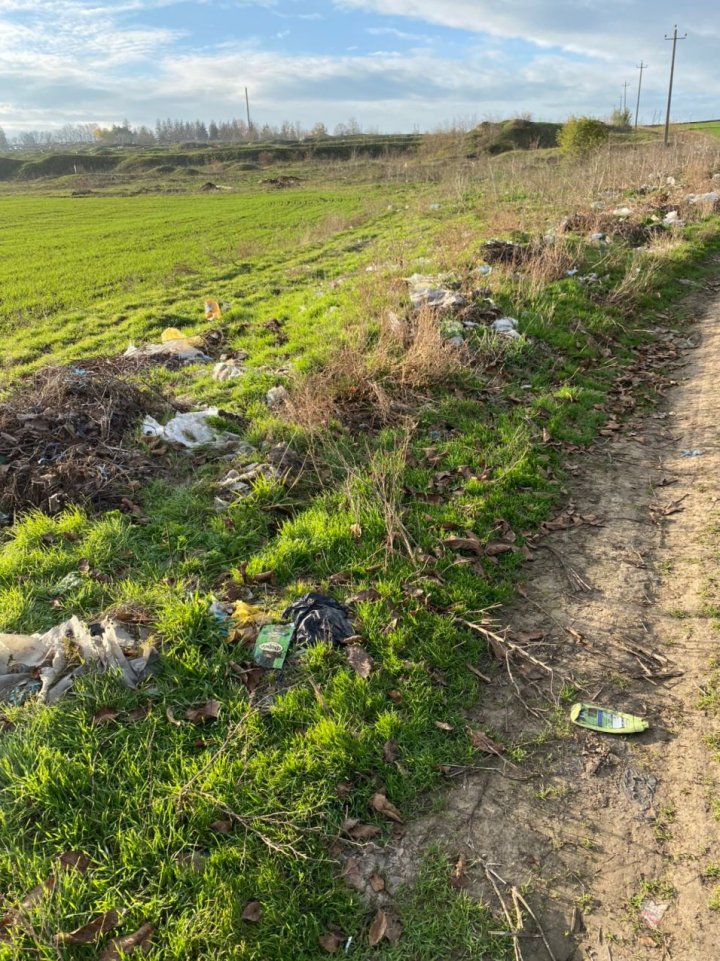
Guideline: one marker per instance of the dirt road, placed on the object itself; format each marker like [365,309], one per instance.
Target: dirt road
[594,830]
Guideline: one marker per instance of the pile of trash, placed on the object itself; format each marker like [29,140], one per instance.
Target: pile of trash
[620,224]
[195,428]
[434,292]
[46,664]
[176,349]
[60,438]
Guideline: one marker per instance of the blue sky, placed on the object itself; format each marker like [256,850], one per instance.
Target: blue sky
[391,64]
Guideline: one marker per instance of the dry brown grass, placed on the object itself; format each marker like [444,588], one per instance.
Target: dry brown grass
[379,377]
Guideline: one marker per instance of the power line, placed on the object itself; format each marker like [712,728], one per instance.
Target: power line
[674,39]
[641,67]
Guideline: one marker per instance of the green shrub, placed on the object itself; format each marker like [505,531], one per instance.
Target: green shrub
[582,135]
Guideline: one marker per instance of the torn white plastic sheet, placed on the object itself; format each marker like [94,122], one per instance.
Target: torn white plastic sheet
[506,327]
[180,350]
[712,197]
[433,292]
[227,370]
[193,430]
[46,664]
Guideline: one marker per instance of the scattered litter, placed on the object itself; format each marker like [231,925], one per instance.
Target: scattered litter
[237,484]
[639,788]
[193,430]
[672,217]
[435,206]
[605,720]
[320,618]
[277,396]
[427,291]
[571,273]
[692,453]
[652,912]
[484,269]
[506,327]
[174,345]
[46,664]
[670,181]
[272,645]
[212,310]
[598,237]
[622,212]
[712,197]
[227,370]
[588,280]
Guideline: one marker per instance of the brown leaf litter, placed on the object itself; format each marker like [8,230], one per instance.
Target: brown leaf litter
[61,438]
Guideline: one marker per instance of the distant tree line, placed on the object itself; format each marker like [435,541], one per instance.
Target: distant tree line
[175,132]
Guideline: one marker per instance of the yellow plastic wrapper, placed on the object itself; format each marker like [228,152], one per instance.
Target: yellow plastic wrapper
[212,310]
[172,333]
[245,615]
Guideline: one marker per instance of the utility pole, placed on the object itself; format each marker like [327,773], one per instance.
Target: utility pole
[625,86]
[674,39]
[643,66]
[247,104]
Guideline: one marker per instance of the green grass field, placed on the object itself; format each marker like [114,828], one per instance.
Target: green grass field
[82,277]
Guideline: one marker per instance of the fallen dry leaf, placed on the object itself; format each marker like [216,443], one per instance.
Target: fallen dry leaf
[391,751]
[253,912]
[457,875]
[393,931]
[38,893]
[137,941]
[104,716]
[191,860]
[377,883]
[443,726]
[469,543]
[395,696]
[343,790]
[378,928]
[498,547]
[132,717]
[170,715]
[222,827]
[483,743]
[360,832]
[360,661]
[369,595]
[75,860]
[381,804]
[353,874]
[206,712]
[91,931]
[330,942]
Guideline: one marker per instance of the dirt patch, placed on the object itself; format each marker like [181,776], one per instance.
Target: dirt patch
[61,438]
[596,827]
[281,183]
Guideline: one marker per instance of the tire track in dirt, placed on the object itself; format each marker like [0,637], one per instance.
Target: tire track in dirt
[592,826]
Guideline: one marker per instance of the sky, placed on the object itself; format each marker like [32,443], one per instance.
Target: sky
[394,65]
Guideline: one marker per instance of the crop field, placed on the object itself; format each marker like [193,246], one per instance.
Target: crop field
[421,467]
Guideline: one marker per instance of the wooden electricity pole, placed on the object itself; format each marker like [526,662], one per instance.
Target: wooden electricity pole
[625,86]
[674,39]
[643,66]
[247,104]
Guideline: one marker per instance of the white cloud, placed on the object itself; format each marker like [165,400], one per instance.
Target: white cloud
[90,60]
